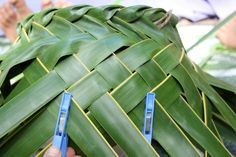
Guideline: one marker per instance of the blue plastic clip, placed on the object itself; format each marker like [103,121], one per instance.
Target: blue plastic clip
[60,139]
[148,116]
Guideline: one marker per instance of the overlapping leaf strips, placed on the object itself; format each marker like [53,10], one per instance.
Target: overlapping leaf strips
[109,58]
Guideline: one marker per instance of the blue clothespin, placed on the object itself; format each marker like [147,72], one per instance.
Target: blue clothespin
[60,139]
[148,116]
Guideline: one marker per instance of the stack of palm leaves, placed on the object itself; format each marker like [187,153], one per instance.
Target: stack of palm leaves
[109,58]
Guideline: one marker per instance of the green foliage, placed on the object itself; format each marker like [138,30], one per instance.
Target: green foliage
[109,58]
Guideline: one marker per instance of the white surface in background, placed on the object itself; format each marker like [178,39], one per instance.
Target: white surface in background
[191,9]
[223,7]
[190,34]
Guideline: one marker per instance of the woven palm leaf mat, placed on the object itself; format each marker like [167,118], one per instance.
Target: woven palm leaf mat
[108,58]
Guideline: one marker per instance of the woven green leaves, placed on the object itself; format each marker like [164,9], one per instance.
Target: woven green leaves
[109,58]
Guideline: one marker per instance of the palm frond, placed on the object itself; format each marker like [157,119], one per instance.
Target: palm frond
[109,58]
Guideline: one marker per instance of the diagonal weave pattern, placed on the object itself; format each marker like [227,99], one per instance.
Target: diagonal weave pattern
[109,58]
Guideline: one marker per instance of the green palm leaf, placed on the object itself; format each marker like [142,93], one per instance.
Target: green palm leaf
[109,58]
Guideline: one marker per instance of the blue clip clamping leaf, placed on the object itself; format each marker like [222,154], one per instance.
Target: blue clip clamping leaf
[60,139]
[148,116]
